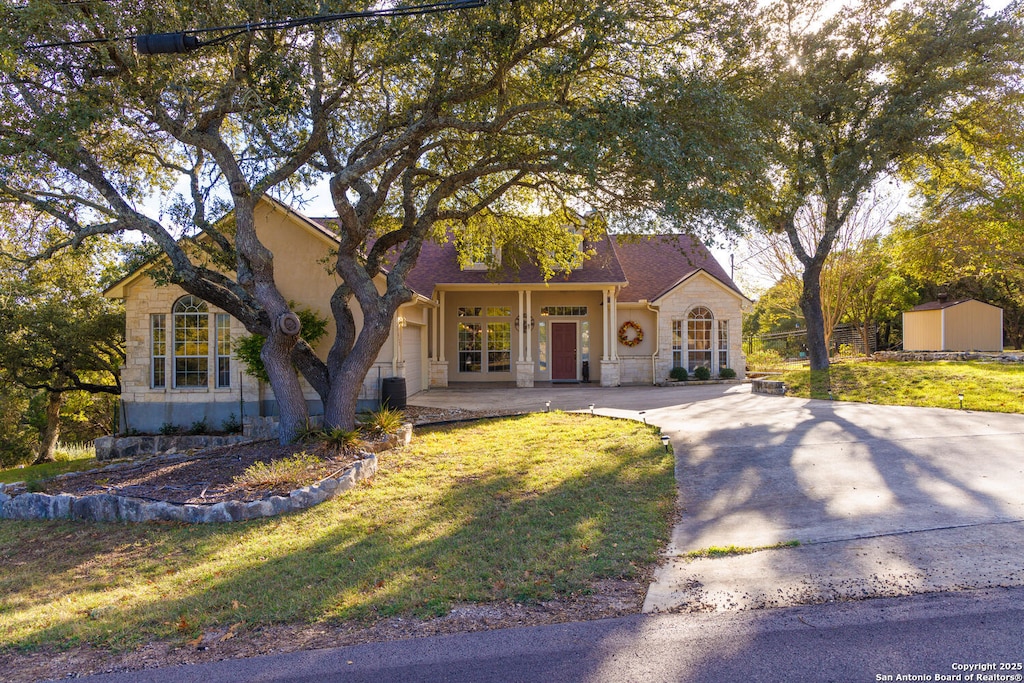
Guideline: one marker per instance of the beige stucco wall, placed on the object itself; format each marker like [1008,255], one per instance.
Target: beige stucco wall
[301,272]
[635,362]
[974,326]
[724,303]
[922,330]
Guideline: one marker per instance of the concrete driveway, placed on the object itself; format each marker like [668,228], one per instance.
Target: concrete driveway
[883,500]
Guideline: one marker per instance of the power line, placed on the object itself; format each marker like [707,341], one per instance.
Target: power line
[187,41]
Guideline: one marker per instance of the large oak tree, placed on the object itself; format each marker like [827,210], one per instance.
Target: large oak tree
[422,123]
[847,99]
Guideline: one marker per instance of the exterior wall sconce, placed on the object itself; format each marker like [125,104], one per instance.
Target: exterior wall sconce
[528,323]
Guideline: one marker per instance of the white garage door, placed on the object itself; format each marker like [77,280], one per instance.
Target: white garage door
[411,354]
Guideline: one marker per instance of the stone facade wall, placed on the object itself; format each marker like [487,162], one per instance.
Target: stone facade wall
[635,369]
[724,303]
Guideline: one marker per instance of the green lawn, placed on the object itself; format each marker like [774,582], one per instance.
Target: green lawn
[995,387]
[521,509]
[48,469]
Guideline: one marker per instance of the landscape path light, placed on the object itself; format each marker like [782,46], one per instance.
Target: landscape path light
[664,442]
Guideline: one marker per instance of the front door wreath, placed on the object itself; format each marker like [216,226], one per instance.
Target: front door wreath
[624,336]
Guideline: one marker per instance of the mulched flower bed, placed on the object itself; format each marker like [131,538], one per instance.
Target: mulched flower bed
[208,476]
[205,477]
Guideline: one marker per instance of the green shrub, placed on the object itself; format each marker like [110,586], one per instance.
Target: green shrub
[199,427]
[170,429]
[16,449]
[727,373]
[248,348]
[765,360]
[384,421]
[701,373]
[232,425]
[66,452]
[293,471]
[679,374]
[340,438]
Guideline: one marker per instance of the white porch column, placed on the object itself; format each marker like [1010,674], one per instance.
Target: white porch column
[523,330]
[435,317]
[529,330]
[524,367]
[615,326]
[440,327]
[605,324]
[610,363]
[438,365]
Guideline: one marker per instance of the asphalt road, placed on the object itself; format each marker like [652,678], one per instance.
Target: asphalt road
[922,636]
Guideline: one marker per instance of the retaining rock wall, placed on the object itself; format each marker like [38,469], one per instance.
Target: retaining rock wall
[114,447]
[112,508]
[772,387]
[948,355]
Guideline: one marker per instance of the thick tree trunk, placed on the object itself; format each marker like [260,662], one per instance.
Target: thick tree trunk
[48,441]
[291,403]
[256,273]
[347,378]
[810,306]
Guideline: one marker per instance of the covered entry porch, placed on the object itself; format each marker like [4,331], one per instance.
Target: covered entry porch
[524,335]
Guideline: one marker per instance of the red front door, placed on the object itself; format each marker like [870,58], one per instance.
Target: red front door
[563,351]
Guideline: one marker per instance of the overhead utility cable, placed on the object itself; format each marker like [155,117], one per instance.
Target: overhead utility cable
[187,41]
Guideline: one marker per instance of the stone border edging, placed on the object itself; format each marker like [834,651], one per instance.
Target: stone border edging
[108,507]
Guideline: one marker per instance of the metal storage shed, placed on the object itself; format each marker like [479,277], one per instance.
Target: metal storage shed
[961,325]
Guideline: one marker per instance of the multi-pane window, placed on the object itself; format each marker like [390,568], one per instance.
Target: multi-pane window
[470,347]
[698,338]
[485,335]
[677,343]
[575,311]
[191,342]
[723,344]
[499,347]
[223,325]
[158,351]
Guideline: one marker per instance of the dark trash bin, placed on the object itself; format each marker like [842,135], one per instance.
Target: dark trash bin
[392,393]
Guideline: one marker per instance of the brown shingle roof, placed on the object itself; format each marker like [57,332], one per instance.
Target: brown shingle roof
[655,264]
[651,265]
[438,264]
[937,305]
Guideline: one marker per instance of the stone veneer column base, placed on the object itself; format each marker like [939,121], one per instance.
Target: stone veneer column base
[438,374]
[609,373]
[524,373]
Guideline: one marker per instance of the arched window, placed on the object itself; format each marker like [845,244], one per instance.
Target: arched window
[191,342]
[699,339]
